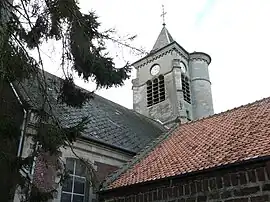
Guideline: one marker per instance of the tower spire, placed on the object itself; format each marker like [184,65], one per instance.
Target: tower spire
[163,15]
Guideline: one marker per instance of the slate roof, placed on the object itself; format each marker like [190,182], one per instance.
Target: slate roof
[110,123]
[234,136]
[164,39]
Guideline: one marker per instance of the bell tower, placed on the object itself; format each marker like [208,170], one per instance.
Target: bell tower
[171,84]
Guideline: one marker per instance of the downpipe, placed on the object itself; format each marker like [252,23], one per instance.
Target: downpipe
[19,152]
[23,128]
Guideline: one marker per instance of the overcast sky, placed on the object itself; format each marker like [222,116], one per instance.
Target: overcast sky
[235,33]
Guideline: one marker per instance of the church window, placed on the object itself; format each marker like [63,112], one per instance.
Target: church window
[155,91]
[186,88]
[74,188]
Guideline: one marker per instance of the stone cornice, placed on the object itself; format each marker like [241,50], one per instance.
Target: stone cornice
[174,46]
[200,79]
[152,57]
[200,56]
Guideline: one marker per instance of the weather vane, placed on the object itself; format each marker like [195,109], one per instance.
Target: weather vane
[163,15]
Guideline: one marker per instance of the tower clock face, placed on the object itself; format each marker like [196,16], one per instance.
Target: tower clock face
[183,67]
[155,69]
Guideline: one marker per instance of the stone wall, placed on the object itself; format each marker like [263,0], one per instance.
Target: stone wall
[167,110]
[202,101]
[104,160]
[246,183]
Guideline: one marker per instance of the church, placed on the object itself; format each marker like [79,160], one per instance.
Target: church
[203,156]
[170,147]
[172,85]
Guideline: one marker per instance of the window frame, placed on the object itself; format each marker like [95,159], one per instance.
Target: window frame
[73,177]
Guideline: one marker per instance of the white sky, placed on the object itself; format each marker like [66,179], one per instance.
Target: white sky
[235,33]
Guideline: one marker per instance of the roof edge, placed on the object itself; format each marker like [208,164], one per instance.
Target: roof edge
[137,158]
[141,156]
[95,95]
[151,120]
[163,37]
[194,173]
[227,111]
[107,145]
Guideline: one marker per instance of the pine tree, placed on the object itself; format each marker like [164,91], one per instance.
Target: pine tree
[24,26]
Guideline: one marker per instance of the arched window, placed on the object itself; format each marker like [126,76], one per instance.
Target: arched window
[155,91]
[186,88]
[74,188]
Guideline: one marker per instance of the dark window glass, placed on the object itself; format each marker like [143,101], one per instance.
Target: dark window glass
[65,197]
[80,169]
[77,198]
[79,185]
[67,186]
[70,165]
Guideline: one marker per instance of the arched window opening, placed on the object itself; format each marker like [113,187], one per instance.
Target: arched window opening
[186,88]
[155,91]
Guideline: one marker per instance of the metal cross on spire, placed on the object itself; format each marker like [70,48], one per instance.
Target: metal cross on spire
[163,15]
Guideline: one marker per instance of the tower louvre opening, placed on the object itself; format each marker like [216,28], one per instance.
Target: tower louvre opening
[186,88]
[155,91]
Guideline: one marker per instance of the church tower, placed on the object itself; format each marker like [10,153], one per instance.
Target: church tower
[171,84]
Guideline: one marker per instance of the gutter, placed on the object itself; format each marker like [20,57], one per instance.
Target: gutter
[19,152]
[84,137]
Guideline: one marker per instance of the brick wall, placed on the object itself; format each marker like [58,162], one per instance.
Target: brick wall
[246,183]
[45,172]
[103,170]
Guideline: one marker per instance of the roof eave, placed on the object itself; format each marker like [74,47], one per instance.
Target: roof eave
[133,153]
[140,155]
[191,174]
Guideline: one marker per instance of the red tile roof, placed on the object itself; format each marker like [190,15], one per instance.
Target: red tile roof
[233,136]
